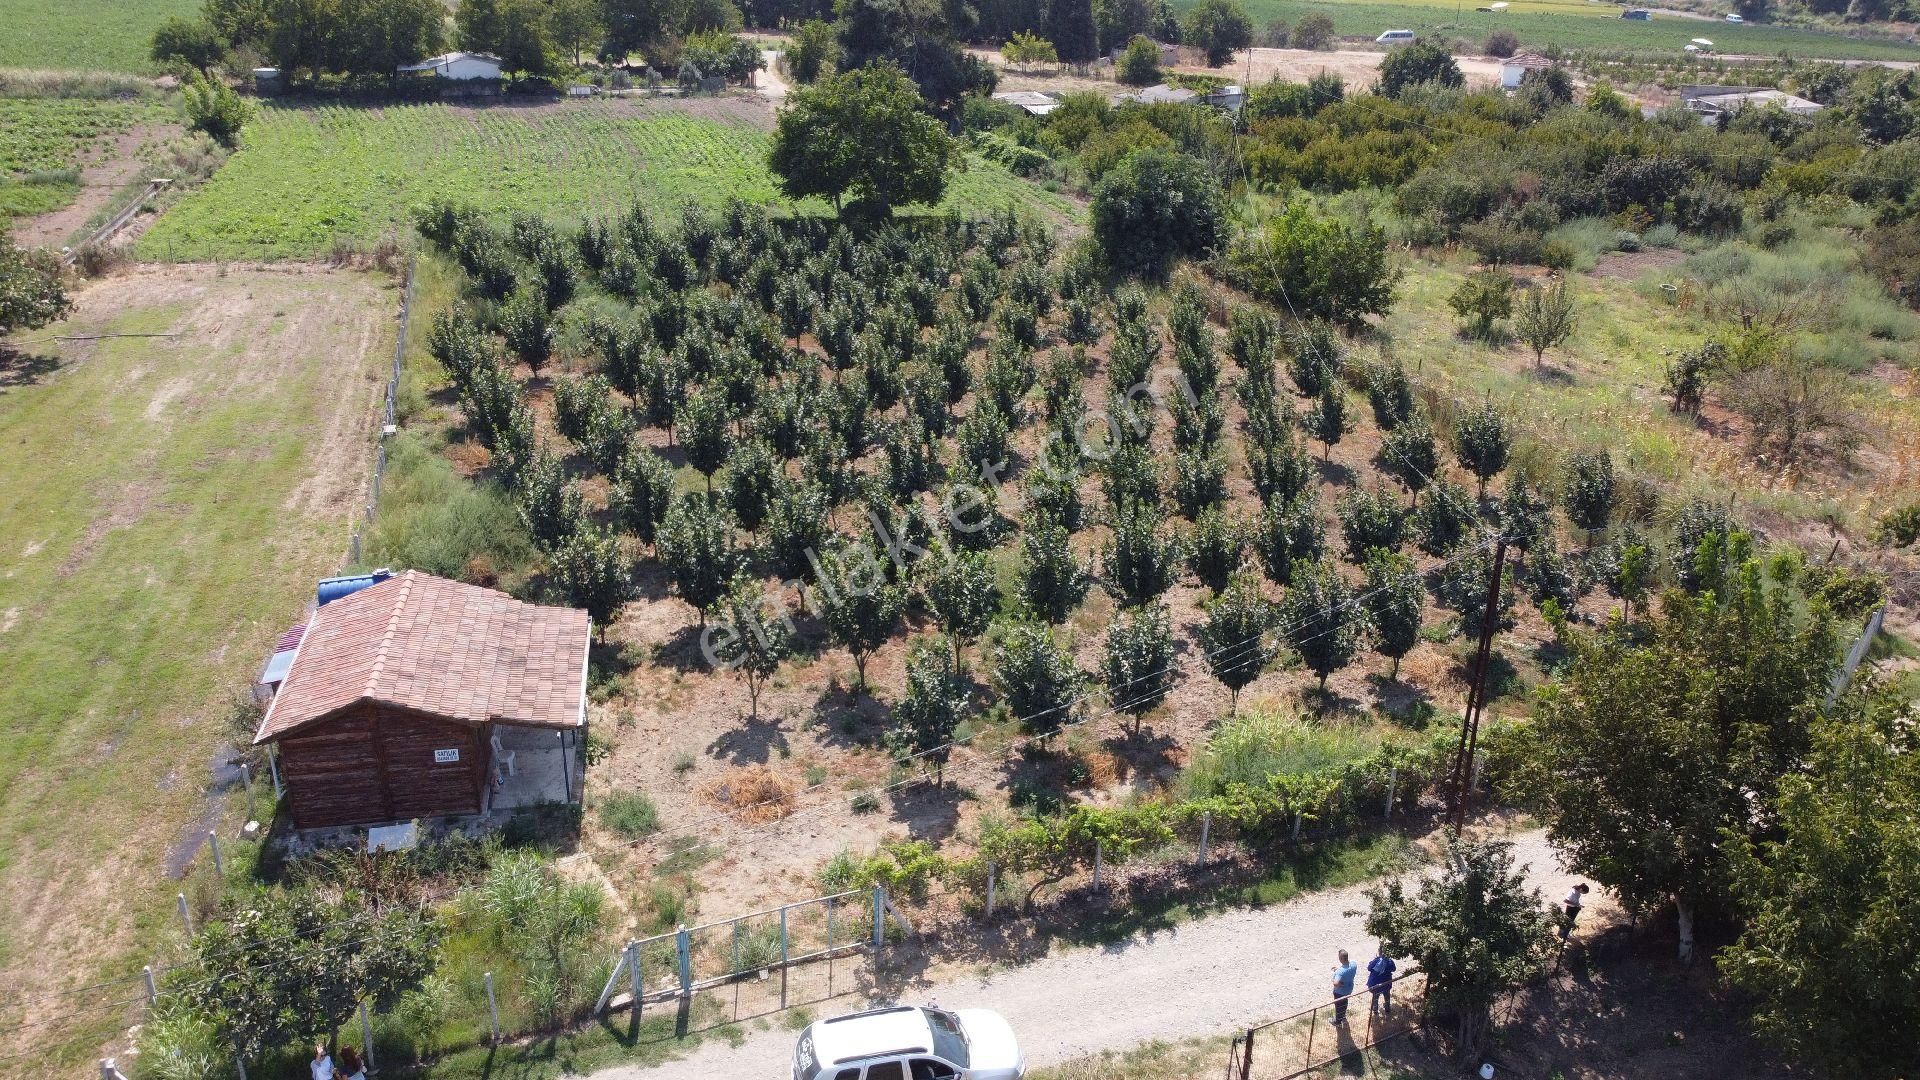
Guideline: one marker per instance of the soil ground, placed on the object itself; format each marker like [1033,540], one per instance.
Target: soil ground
[105,172]
[166,503]
[1250,67]
[1228,971]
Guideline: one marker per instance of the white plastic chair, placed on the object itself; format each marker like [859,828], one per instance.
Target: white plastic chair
[501,754]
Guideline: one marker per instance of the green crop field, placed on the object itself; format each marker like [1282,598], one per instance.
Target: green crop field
[166,503]
[306,177]
[40,140]
[1577,24]
[83,35]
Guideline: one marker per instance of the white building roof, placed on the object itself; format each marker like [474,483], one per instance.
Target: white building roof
[435,63]
[1154,95]
[1032,101]
[1799,106]
[1527,61]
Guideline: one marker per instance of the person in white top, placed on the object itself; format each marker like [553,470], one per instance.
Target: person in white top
[322,1063]
[1576,897]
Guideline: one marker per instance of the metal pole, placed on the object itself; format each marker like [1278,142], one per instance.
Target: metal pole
[1206,826]
[366,1036]
[185,918]
[1312,1025]
[153,991]
[783,955]
[1477,692]
[273,758]
[635,984]
[1246,1062]
[879,917]
[683,949]
[246,775]
[1296,825]
[219,864]
[1099,860]
[993,873]
[613,979]
[566,767]
[493,1008]
[829,946]
[106,1069]
[1393,781]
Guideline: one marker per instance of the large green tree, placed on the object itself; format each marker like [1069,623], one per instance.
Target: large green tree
[1832,931]
[1476,931]
[1317,264]
[933,705]
[282,966]
[32,293]
[1157,205]
[863,135]
[1219,28]
[1424,61]
[1658,748]
[695,545]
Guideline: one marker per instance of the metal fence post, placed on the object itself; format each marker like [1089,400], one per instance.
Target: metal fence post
[993,874]
[1099,862]
[1478,761]
[1246,1063]
[783,955]
[613,979]
[683,949]
[493,1008]
[1296,825]
[879,917]
[246,776]
[185,918]
[153,991]
[1206,826]
[106,1069]
[273,758]
[219,864]
[366,1036]
[1393,781]
[635,984]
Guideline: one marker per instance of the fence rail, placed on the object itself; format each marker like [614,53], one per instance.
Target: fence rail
[115,223]
[389,421]
[1284,1049]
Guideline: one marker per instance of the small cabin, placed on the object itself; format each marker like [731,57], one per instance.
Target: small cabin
[457,66]
[416,696]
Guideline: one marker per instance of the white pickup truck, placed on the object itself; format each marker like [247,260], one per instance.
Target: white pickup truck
[907,1042]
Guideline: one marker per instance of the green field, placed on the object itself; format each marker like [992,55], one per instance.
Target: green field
[1576,25]
[308,177]
[166,504]
[83,35]
[41,138]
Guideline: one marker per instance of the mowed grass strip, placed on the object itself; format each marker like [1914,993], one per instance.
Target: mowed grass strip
[307,177]
[84,35]
[1575,24]
[166,505]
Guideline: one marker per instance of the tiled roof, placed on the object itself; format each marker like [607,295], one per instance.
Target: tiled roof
[421,642]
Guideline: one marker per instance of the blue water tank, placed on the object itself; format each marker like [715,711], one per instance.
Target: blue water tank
[334,588]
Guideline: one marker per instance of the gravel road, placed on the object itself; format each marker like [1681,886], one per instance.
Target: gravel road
[1200,978]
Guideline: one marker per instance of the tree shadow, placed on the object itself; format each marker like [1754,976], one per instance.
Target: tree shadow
[754,742]
[1404,701]
[1332,472]
[845,718]
[681,650]
[1146,750]
[24,369]
[930,812]
[1553,374]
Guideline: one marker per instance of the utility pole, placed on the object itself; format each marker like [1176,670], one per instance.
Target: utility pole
[1477,693]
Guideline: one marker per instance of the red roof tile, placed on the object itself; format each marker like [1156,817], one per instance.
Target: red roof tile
[421,642]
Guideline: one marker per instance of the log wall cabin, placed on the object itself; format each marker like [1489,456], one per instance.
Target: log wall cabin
[389,709]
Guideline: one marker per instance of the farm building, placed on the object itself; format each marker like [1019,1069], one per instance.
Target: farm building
[458,66]
[1032,101]
[1712,102]
[1515,67]
[415,696]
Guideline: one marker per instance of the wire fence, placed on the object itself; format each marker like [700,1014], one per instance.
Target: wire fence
[389,422]
[1329,1033]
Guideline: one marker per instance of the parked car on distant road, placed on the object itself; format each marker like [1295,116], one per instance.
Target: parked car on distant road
[1637,14]
[1735,19]
[907,1042]
[1395,37]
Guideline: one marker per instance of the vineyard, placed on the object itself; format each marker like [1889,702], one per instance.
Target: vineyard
[308,178]
[41,140]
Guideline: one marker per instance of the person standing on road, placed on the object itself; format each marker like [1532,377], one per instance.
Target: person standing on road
[1343,975]
[1576,897]
[1380,982]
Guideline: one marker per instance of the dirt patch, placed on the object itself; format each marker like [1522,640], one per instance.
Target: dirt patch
[1630,265]
[105,169]
[1356,67]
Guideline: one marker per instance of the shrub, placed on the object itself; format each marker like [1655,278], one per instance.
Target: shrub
[1155,206]
[1317,264]
[1313,31]
[1502,44]
[630,814]
[1139,63]
[214,108]
[1423,62]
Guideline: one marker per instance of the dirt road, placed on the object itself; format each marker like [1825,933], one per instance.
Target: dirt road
[1202,978]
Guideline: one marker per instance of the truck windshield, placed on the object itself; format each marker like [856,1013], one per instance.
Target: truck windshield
[949,1041]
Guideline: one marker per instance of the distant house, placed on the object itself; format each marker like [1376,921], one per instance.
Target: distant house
[1032,101]
[1160,94]
[1713,102]
[458,66]
[416,697]
[1515,67]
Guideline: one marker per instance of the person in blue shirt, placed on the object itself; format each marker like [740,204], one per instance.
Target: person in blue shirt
[1342,986]
[1380,982]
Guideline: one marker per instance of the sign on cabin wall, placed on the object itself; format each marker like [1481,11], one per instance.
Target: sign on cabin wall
[446,757]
